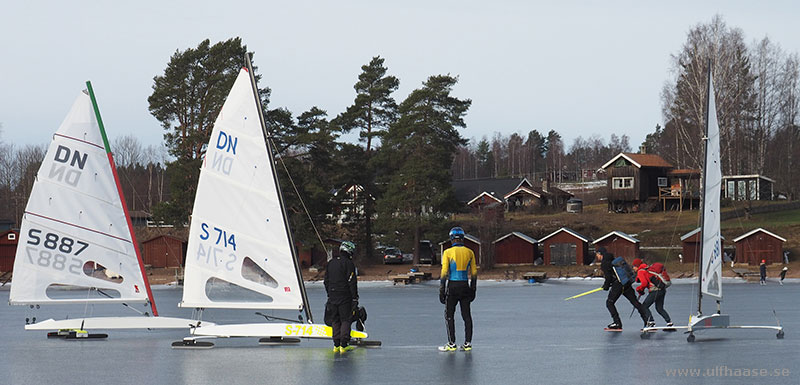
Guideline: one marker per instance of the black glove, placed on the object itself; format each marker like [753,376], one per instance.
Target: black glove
[473,291]
[605,287]
[354,306]
[442,295]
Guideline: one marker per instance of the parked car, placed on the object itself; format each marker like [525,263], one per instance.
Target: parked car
[392,255]
[427,255]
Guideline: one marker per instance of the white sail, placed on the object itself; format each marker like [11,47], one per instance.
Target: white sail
[711,268]
[74,223]
[238,239]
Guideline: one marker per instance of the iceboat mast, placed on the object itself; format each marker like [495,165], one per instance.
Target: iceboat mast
[122,198]
[267,137]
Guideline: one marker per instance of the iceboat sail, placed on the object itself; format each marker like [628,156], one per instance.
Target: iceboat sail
[76,232]
[711,254]
[710,264]
[239,241]
[240,253]
[77,243]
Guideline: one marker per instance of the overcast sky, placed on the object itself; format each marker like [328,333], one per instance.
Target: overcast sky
[579,67]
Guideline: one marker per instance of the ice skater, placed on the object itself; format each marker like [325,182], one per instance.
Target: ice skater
[458,284]
[341,285]
[783,274]
[616,288]
[763,270]
[656,291]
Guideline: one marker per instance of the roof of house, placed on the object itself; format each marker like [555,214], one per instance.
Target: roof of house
[752,176]
[570,231]
[486,194]
[519,235]
[743,236]
[523,189]
[693,232]
[467,189]
[537,192]
[467,236]
[619,234]
[684,172]
[640,160]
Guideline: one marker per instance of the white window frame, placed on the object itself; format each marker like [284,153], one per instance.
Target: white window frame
[12,236]
[622,183]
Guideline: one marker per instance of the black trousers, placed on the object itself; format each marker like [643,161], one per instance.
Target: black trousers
[657,296]
[458,292]
[615,292]
[340,317]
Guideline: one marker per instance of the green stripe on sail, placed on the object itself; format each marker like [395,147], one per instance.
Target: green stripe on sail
[97,115]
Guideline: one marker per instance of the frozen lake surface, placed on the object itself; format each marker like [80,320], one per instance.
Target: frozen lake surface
[524,333]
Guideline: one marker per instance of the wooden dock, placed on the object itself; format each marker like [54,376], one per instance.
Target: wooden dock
[537,276]
[411,277]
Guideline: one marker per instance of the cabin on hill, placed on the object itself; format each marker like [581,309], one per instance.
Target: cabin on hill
[619,244]
[164,251]
[474,192]
[529,198]
[748,187]
[509,194]
[565,247]
[639,180]
[759,244]
[8,249]
[515,249]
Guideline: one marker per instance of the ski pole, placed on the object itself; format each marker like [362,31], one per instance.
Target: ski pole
[585,293]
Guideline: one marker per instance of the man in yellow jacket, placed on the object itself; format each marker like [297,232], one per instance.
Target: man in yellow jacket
[459,281]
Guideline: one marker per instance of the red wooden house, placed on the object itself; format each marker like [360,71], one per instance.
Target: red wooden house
[470,242]
[690,243]
[757,245]
[619,244]
[8,249]
[565,247]
[514,249]
[164,251]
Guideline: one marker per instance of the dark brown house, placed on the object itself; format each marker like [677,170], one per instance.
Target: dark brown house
[565,247]
[470,242]
[483,200]
[619,244]
[8,249]
[530,198]
[164,251]
[634,179]
[515,249]
[757,245]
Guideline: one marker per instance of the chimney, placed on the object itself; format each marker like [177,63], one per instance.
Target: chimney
[643,149]
[546,184]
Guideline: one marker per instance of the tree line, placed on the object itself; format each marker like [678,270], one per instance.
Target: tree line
[394,185]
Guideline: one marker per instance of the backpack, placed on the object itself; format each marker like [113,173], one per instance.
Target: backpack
[660,277]
[623,271]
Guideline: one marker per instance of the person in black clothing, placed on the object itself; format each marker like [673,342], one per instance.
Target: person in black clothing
[763,270]
[342,288]
[616,289]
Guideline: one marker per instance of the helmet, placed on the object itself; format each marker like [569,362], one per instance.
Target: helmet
[347,247]
[456,233]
